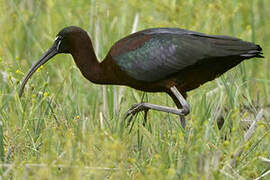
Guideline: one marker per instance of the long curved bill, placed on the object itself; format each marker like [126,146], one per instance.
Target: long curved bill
[44,58]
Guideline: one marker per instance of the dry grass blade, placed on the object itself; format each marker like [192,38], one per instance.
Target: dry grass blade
[135,23]
[251,130]
[247,136]
[235,173]
[265,160]
[59,157]
[101,120]
[227,174]
[8,166]
[263,176]
[214,91]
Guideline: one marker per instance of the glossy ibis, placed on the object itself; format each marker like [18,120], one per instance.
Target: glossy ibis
[167,60]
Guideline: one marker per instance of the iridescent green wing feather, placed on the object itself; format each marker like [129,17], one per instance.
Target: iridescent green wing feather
[155,54]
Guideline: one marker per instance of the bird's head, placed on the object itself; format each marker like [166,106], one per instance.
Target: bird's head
[65,42]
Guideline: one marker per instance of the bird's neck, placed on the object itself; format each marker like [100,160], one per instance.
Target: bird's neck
[86,60]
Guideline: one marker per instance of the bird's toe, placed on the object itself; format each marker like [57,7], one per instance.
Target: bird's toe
[133,110]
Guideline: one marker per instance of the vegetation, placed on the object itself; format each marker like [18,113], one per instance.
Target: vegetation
[66,127]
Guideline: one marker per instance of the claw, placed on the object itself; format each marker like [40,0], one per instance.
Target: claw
[133,110]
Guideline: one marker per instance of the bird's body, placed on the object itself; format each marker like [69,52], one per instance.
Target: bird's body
[154,60]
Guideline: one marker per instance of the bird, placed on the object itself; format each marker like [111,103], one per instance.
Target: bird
[169,60]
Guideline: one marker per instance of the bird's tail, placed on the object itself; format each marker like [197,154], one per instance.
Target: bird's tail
[230,46]
[254,53]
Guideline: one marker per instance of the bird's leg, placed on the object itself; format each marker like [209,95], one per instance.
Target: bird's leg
[185,106]
[147,106]
[180,102]
[182,121]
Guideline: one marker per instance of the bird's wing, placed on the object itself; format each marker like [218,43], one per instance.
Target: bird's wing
[155,54]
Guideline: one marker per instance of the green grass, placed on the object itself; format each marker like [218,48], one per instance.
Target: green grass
[65,127]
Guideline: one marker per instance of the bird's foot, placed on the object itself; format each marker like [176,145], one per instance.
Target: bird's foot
[136,108]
